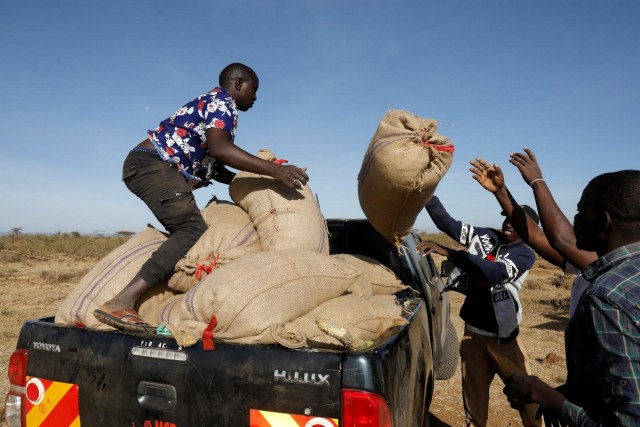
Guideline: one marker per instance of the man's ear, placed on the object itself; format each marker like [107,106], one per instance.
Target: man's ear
[604,221]
[238,84]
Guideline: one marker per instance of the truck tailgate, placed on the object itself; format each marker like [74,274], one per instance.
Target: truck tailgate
[127,380]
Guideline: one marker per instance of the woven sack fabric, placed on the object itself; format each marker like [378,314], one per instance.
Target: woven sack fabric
[376,278]
[162,311]
[285,218]
[109,277]
[401,168]
[348,321]
[257,290]
[230,234]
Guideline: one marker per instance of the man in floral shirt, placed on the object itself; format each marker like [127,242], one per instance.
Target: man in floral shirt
[186,151]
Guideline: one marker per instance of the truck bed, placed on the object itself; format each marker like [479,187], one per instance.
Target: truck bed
[113,378]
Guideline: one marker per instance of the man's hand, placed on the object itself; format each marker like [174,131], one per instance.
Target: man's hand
[523,389]
[428,247]
[518,389]
[489,176]
[527,165]
[291,176]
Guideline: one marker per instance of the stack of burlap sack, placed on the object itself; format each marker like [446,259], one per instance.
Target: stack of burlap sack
[263,270]
[263,267]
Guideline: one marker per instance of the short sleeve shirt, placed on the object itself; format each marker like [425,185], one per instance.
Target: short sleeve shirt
[182,138]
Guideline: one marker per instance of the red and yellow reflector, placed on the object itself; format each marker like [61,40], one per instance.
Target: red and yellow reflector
[51,403]
[277,419]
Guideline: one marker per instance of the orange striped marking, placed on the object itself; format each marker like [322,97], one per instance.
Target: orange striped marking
[259,418]
[51,403]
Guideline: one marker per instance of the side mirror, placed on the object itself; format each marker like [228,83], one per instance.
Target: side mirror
[446,268]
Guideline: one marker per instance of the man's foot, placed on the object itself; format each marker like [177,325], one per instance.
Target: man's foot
[124,320]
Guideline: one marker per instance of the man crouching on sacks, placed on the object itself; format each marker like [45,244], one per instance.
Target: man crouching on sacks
[185,152]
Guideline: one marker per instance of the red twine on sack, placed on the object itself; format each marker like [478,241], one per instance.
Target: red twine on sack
[426,143]
[280,161]
[206,267]
[207,335]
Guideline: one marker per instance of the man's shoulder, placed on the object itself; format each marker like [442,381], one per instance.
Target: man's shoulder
[619,284]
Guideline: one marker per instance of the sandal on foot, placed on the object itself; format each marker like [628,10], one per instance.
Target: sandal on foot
[124,320]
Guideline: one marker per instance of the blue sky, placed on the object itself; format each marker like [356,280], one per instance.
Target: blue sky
[82,82]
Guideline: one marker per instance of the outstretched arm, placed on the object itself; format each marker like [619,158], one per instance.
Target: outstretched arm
[443,221]
[491,178]
[226,152]
[556,226]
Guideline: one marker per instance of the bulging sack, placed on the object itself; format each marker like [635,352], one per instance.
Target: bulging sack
[349,321]
[257,290]
[401,168]
[164,312]
[230,234]
[376,278]
[285,218]
[109,277]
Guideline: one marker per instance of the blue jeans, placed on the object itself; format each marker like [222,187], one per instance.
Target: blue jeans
[166,192]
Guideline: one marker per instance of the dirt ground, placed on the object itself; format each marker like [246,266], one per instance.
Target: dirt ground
[35,287]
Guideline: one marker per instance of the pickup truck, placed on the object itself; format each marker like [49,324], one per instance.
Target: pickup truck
[64,375]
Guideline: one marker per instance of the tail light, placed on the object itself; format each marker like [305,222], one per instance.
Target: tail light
[363,409]
[14,403]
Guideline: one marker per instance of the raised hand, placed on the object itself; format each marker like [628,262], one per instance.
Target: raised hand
[527,165]
[490,177]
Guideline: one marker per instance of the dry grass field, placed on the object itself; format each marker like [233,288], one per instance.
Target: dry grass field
[38,271]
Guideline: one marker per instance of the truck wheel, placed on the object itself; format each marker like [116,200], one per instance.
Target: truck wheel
[450,354]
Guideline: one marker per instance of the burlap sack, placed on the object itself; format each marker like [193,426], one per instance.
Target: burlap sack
[163,312]
[109,277]
[400,171]
[376,278]
[285,218]
[230,235]
[349,321]
[257,290]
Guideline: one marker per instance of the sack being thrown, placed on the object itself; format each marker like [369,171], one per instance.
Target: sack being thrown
[405,161]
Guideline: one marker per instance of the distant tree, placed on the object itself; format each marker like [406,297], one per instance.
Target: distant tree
[15,231]
[124,233]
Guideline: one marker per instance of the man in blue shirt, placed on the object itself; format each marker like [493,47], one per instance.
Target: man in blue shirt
[602,339]
[496,263]
[186,151]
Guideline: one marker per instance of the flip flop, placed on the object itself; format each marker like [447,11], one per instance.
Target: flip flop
[117,320]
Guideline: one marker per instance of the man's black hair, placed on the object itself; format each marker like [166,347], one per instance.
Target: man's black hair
[231,72]
[617,193]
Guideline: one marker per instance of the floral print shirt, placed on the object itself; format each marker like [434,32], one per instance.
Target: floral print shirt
[182,138]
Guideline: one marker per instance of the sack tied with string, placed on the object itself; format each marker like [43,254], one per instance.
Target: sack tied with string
[405,161]
[230,234]
[285,218]
[257,290]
